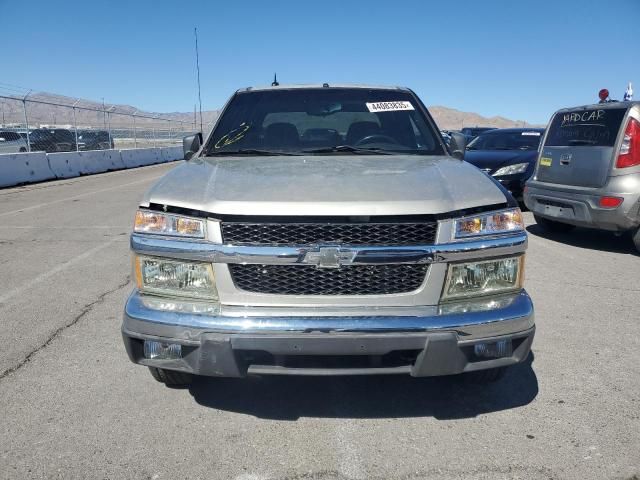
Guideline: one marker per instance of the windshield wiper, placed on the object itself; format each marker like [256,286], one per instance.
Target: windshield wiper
[349,149]
[249,151]
[582,142]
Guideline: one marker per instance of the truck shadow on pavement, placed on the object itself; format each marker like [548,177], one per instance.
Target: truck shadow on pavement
[589,239]
[390,396]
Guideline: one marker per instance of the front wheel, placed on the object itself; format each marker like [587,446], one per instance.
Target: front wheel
[171,378]
[636,238]
[553,226]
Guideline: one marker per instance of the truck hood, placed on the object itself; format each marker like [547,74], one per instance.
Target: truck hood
[325,185]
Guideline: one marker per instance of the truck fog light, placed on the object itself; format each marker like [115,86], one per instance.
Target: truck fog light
[162,351]
[500,349]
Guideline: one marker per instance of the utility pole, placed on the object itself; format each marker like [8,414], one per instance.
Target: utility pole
[195,31]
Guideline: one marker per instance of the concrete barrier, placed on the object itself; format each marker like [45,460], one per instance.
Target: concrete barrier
[66,164]
[17,168]
[113,159]
[139,157]
[171,154]
[98,161]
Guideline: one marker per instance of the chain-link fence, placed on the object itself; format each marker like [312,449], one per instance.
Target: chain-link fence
[44,122]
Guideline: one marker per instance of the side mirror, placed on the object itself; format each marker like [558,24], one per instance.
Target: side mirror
[457,145]
[191,144]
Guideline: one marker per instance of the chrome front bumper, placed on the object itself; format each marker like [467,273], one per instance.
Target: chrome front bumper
[215,343]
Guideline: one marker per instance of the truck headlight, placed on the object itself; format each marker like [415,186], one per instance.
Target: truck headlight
[149,221]
[492,223]
[175,278]
[511,169]
[484,277]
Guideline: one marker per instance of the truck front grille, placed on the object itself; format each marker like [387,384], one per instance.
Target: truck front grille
[310,280]
[415,233]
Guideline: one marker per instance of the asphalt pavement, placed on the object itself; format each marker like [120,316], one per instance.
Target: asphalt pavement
[73,406]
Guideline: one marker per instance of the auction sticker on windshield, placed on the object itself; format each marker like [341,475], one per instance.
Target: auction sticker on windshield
[389,106]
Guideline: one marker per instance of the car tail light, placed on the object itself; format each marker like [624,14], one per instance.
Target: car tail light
[610,202]
[629,155]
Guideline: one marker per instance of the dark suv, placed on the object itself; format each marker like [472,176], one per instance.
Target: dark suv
[94,140]
[52,140]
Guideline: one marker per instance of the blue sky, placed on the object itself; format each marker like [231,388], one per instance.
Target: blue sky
[513,58]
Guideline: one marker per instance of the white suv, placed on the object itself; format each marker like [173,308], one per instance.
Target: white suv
[12,142]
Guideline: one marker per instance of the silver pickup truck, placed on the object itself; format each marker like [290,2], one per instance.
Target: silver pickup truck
[327,230]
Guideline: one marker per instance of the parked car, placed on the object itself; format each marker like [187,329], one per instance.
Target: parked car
[11,142]
[94,140]
[375,252]
[446,136]
[508,154]
[473,132]
[588,171]
[52,140]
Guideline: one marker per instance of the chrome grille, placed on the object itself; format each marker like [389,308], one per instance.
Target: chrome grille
[415,233]
[310,280]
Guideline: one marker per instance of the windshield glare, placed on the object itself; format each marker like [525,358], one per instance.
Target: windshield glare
[519,140]
[324,121]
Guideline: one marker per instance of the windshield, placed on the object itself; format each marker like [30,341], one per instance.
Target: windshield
[510,140]
[324,121]
[475,131]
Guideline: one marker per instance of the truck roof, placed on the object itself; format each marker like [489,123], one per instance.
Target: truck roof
[321,86]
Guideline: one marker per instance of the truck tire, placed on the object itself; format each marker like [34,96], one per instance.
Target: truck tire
[486,376]
[552,225]
[171,378]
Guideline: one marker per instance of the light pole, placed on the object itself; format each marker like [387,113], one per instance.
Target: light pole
[109,124]
[26,120]
[135,135]
[75,123]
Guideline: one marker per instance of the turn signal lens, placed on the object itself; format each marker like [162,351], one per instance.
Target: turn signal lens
[148,221]
[490,223]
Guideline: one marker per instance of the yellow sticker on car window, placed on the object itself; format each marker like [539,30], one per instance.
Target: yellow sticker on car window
[545,161]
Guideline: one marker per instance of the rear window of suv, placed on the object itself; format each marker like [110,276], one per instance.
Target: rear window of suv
[9,136]
[596,127]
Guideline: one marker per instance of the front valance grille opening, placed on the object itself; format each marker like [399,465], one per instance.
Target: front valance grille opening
[396,358]
[311,280]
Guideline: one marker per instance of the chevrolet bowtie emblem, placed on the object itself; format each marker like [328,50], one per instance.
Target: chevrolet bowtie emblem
[329,257]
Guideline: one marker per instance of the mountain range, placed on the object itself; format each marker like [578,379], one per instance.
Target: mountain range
[45,113]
